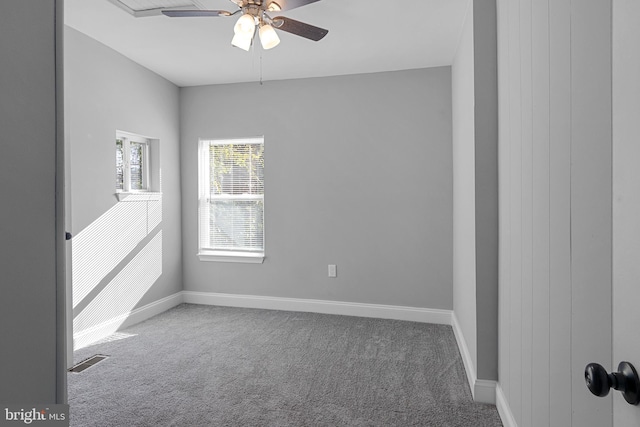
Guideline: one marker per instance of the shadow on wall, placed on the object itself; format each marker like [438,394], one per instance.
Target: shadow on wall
[115,261]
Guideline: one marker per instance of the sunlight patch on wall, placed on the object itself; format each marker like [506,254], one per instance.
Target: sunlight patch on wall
[111,307]
[100,247]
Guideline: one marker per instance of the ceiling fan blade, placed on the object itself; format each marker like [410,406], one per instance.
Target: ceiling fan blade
[196,12]
[299,28]
[277,5]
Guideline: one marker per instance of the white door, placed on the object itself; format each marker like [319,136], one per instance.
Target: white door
[626,198]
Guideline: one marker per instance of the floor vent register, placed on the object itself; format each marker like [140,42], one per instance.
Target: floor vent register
[86,364]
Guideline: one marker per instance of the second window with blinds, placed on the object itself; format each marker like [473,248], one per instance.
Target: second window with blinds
[231,200]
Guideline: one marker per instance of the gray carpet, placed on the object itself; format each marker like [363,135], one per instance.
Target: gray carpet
[217,366]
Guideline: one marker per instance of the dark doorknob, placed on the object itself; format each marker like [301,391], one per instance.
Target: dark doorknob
[625,380]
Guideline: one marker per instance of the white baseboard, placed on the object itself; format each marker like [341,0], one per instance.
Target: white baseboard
[95,333]
[483,391]
[504,409]
[395,312]
[464,352]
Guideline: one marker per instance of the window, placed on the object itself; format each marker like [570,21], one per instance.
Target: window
[231,200]
[132,163]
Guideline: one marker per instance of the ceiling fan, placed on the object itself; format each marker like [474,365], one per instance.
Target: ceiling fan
[255,14]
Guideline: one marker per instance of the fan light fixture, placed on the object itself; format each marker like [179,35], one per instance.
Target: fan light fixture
[245,29]
[268,37]
[245,26]
[241,41]
[254,14]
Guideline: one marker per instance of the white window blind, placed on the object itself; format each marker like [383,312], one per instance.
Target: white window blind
[119,164]
[137,162]
[231,187]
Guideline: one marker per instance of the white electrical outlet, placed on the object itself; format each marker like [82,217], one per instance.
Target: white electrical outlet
[333,271]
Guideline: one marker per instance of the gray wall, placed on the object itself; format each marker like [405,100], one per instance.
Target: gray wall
[358,174]
[486,186]
[555,208]
[114,240]
[475,106]
[29,362]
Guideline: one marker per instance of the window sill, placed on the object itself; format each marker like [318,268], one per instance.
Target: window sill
[142,196]
[221,256]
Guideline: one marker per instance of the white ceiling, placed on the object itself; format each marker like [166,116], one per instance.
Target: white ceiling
[364,36]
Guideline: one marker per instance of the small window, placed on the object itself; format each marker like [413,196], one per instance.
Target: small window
[231,200]
[132,163]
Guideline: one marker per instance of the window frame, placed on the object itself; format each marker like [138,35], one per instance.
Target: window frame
[150,174]
[204,170]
